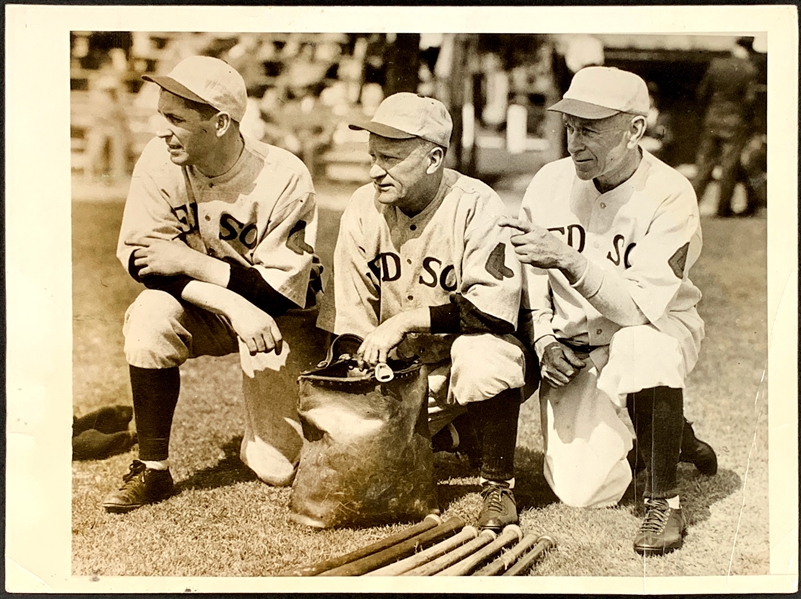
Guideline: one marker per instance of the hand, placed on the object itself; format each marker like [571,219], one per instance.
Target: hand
[559,365]
[163,258]
[256,328]
[536,245]
[382,340]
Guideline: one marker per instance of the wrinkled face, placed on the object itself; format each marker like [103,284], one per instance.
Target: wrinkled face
[398,167]
[189,137]
[598,147]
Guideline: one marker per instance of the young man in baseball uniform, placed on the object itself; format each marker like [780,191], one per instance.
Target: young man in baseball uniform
[609,236]
[420,258]
[221,230]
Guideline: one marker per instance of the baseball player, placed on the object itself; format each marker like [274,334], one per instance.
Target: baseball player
[421,260]
[221,230]
[609,236]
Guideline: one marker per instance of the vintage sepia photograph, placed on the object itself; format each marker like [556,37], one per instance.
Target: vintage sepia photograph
[368,301]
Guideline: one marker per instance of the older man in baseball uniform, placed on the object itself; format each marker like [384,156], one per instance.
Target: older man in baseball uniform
[610,235]
[221,229]
[422,266]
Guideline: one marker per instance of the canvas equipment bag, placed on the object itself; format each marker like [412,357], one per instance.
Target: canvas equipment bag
[366,456]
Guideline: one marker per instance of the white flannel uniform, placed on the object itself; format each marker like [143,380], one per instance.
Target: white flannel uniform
[641,239]
[386,263]
[260,214]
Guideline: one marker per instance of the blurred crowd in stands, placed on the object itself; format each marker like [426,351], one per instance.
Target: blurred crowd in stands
[303,88]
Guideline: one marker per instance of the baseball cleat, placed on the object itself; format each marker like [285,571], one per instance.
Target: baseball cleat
[662,530]
[499,509]
[697,452]
[141,486]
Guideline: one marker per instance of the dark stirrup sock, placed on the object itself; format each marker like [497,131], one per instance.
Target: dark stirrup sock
[155,395]
[495,422]
[657,415]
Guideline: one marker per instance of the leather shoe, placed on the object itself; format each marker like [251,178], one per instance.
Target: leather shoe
[697,452]
[499,509]
[662,530]
[141,486]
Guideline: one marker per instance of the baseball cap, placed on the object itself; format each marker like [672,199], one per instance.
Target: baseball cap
[600,92]
[406,115]
[206,80]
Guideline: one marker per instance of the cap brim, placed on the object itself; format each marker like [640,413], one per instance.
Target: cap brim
[172,86]
[382,130]
[583,110]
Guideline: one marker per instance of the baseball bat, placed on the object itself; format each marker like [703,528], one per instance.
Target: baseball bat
[544,543]
[505,561]
[442,562]
[429,522]
[509,535]
[466,534]
[397,551]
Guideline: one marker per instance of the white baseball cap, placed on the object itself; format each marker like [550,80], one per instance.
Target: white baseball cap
[600,92]
[206,80]
[406,115]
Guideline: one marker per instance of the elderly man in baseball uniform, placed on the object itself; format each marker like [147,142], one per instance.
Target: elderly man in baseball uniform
[420,260]
[221,229]
[609,236]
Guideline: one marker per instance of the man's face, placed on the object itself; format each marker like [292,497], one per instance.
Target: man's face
[398,166]
[597,147]
[189,137]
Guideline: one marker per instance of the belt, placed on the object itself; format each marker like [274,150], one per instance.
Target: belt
[583,349]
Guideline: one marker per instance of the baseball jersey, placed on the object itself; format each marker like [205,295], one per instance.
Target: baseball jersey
[386,262]
[640,239]
[260,217]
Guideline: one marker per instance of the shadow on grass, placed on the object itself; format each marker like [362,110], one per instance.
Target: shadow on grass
[531,488]
[230,470]
[698,492]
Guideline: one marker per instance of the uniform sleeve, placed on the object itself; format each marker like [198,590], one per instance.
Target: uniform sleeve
[491,277]
[148,216]
[536,305]
[659,262]
[353,305]
[284,255]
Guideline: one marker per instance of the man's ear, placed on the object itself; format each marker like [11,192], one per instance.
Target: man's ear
[436,157]
[636,131]
[222,122]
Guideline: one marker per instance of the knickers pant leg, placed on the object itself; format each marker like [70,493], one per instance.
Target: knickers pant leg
[587,438]
[161,333]
[487,375]
[647,370]
[273,438]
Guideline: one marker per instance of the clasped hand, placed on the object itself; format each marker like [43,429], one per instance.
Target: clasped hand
[559,365]
[161,257]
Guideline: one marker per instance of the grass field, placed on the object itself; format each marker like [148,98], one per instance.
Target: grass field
[224,522]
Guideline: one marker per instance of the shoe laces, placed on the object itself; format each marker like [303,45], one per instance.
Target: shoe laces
[493,497]
[134,470]
[657,512]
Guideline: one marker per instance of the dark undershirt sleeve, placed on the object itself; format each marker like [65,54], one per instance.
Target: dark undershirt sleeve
[174,285]
[248,283]
[462,316]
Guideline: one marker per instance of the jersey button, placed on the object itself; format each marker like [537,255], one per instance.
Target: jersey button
[603,205]
[211,184]
[413,227]
[207,217]
[598,331]
[410,297]
[408,261]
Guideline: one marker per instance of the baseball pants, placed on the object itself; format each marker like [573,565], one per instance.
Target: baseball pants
[479,367]
[162,332]
[586,424]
